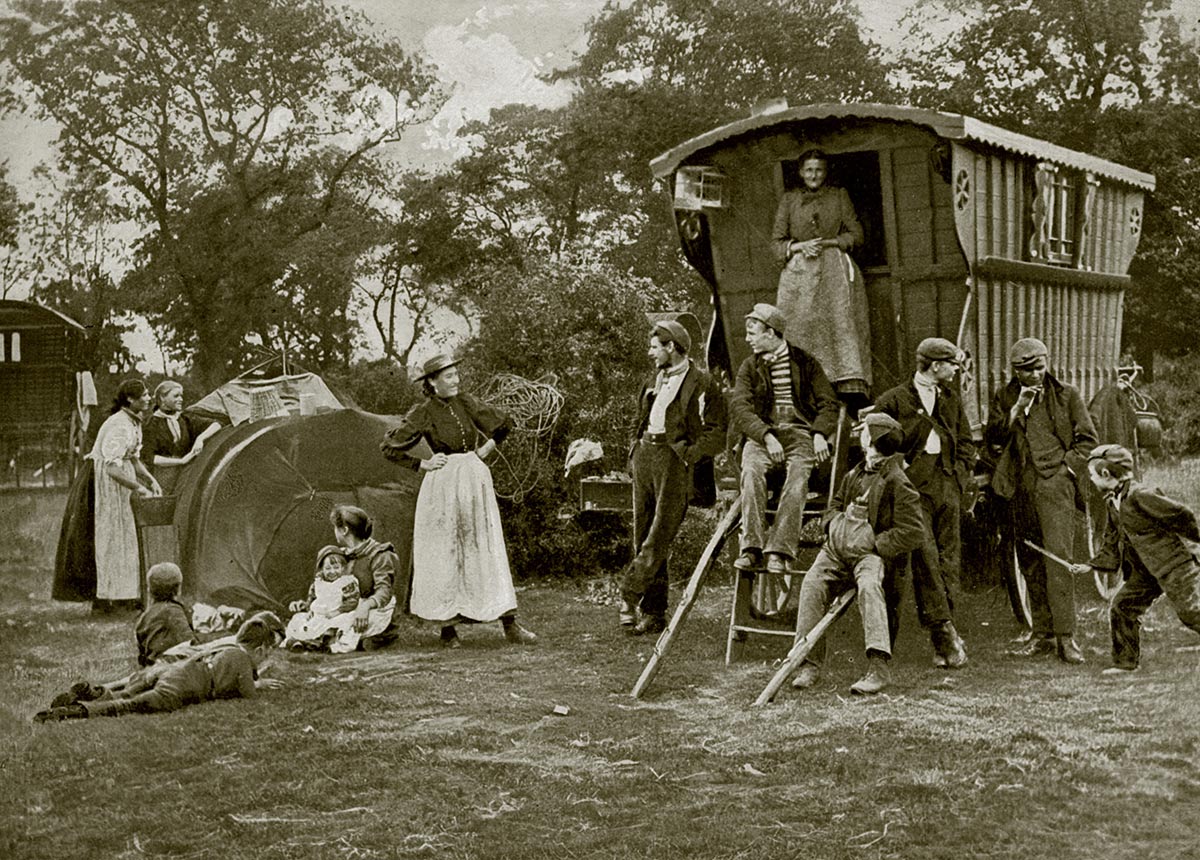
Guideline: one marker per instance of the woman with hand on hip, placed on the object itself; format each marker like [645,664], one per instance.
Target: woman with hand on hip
[460,562]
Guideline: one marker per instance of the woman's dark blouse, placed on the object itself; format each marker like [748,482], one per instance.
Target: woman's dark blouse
[157,440]
[454,426]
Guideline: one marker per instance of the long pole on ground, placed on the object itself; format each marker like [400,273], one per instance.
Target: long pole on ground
[803,646]
[728,522]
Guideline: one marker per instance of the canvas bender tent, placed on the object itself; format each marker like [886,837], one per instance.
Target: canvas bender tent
[253,509]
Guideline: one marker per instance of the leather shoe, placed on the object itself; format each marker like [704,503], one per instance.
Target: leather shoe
[956,649]
[74,711]
[875,680]
[808,676]
[1068,651]
[81,691]
[518,635]
[1035,647]
[776,563]
[1024,636]
[940,661]
[648,624]
[750,559]
[1119,671]
[625,614]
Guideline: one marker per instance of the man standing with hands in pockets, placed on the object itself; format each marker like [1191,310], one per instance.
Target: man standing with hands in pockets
[1038,438]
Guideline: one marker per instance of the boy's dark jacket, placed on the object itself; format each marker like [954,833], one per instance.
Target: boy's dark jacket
[893,508]
[1155,527]
[949,419]
[753,396]
[1004,452]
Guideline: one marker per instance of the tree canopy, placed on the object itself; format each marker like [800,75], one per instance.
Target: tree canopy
[212,120]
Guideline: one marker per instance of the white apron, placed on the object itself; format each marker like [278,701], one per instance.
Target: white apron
[460,563]
[118,568]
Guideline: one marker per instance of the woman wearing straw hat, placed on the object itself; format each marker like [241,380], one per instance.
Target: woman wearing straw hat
[460,563]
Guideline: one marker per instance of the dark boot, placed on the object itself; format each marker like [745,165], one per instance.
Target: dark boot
[1068,651]
[449,637]
[1036,647]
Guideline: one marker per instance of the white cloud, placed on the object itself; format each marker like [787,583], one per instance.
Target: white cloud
[486,71]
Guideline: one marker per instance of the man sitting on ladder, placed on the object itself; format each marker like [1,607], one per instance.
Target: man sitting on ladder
[784,405]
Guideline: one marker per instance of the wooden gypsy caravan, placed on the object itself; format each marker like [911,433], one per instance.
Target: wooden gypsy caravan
[972,232]
[39,416]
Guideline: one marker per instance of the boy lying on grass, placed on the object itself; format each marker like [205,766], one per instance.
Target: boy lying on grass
[226,672]
[1147,539]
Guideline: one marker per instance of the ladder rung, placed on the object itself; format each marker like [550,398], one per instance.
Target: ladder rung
[764,631]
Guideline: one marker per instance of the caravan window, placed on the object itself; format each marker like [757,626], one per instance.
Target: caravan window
[1055,234]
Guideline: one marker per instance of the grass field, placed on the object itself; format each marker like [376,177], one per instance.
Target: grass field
[419,752]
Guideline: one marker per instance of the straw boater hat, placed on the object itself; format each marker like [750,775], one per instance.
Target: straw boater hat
[436,365]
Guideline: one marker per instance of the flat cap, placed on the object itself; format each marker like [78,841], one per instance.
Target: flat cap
[1115,455]
[878,423]
[1026,351]
[673,331]
[885,432]
[937,349]
[768,315]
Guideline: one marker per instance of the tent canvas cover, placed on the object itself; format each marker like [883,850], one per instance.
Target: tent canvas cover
[253,509]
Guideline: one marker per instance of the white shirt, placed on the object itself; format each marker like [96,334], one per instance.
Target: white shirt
[666,389]
[927,391]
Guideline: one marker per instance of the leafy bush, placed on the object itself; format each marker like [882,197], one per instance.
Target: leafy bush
[586,325]
[381,386]
[1174,389]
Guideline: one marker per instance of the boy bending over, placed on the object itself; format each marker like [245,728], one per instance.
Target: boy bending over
[1146,539]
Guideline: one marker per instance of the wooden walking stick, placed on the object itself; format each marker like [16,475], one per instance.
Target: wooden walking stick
[724,529]
[1048,554]
[804,646]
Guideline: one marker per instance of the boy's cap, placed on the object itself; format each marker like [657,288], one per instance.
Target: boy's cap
[673,331]
[768,315]
[1027,351]
[878,424]
[937,349]
[164,575]
[1115,455]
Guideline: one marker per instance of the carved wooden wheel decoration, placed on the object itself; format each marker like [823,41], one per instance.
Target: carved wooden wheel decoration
[962,190]
[1135,221]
